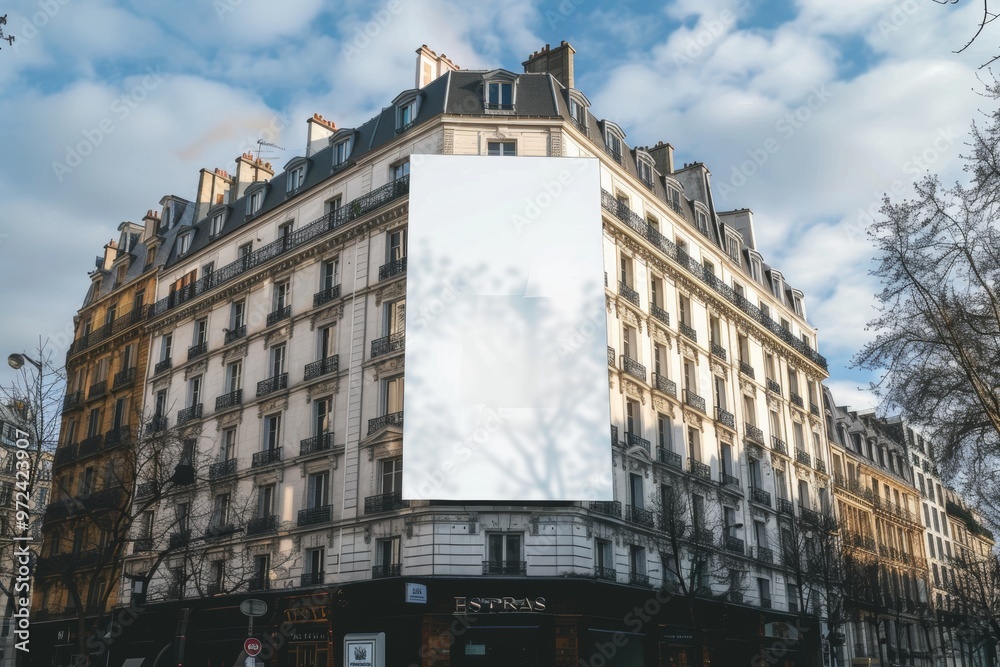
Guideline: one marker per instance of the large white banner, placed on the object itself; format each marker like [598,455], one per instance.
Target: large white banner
[506,394]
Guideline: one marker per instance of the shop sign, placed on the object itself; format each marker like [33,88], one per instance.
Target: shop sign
[677,635]
[364,650]
[416,593]
[306,614]
[506,605]
[314,633]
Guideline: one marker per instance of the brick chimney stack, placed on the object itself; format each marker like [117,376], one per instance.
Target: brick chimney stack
[320,130]
[213,189]
[430,66]
[558,62]
[249,170]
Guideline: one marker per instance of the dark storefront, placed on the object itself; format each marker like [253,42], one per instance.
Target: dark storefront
[465,622]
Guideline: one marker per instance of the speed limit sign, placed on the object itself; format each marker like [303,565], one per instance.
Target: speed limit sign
[252,646]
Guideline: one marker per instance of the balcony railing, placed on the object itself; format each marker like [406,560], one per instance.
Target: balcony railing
[672,459]
[117,436]
[763,555]
[659,314]
[230,400]
[633,368]
[179,539]
[778,445]
[718,350]
[392,269]
[785,506]
[322,367]
[116,326]
[812,516]
[605,573]
[735,544]
[145,489]
[325,296]
[72,401]
[505,567]
[196,351]
[222,469]
[189,413]
[266,457]
[728,480]
[632,440]
[802,456]
[158,423]
[263,524]
[90,445]
[640,516]
[387,344]
[765,603]
[235,334]
[607,507]
[614,436]
[760,496]
[820,465]
[272,384]
[278,315]
[725,418]
[383,571]
[379,423]
[259,582]
[753,433]
[142,545]
[813,408]
[124,378]
[220,531]
[773,386]
[664,384]
[611,356]
[688,331]
[312,578]
[385,502]
[699,469]
[628,293]
[694,400]
[638,579]
[312,515]
[97,390]
[747,369]
[317,443]
[796,399]
[162,366]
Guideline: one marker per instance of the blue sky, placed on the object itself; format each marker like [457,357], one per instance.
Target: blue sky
[860,96]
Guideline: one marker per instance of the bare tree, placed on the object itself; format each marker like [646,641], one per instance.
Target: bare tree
[975,592]
[988,16]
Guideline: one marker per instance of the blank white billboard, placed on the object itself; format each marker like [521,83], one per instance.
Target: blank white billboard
[506,394]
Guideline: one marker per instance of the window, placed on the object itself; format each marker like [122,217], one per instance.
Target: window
[697,512]
[645,171]
[499,95]
[341,152]
[166,342]
[318,490]
[200,332]
[333,205]
[215,228]
[217,575]
[674,197]
[391,478]
[604,558]
[86,484]
[194,390]
[244,252]
[296,177]
[503,553]
[120,274]
[314,563]
[501,148]
[265,501]
[184,243]
[635,490]
[254,201]
[632,424]
[396,246]
[764,591]
[278,359]
[329,275]
[181,516]
[733,248]
[694,444]
[393,395]
[614,143]
[395,317]
[660,360]
[161,403]
[685,310]
[282,296]
[702,221]
[285,234]
[220,511]
[238,315]
[629,347]
[272,432]
[387,556]
[322,416]
[406,114]
[637,560]
[720,392]
[94,423]
[401,170]
[656,292]
[229,444]
[234,376]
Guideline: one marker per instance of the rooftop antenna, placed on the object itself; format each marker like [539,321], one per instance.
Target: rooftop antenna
[261,143]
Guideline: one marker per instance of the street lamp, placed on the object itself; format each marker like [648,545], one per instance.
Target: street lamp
[16,361]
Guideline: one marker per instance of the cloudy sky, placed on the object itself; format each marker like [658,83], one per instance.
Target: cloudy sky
[108,105]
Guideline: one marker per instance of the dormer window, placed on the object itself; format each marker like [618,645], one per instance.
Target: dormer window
[407,105]
[296,177]
[342,151]
[701,220]
[644,168]
[674,195]
[578,105]
[733,247]
[614,138]
[184,242]
[776,285]
[215,227]
[255,200]
[756,267]
[500,95]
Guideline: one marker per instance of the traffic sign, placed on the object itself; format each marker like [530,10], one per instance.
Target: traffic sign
[252,646]
[253,607]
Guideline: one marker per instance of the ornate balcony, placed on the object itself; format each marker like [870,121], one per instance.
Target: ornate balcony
[90,445]
[753,433]
[778,445]
[278,315]
[222,469]
[694,400]
[688,331]
[763,555]
[124,378]
[142,545]
[325,296]
[638,579]
[725,418]
[179,539]
[735,544]
[97,390]
[628,293]
[659,314]
[259,582]
[266,457]
[820,465]
[272,384]
[785,506]
[718,350]
[235,334]
[801,456]
[189,413]
[725,479]
[158,423]
[611,356]
[632,440]
[392,269]
[765,603]
[162,366]
[505,567]
[796,400]
[605,573]
[263,524]
[322,367]
[379,423]
[813,408]
[746,369]
[640,516]
[312,515]
[196,351]
[668,457]
[117,437]
[145,489]
[699,469]
[760,496]
[607,507]
[388,344]
[773,386]
[317,443]
[312,578]
[633,368]
[72,401]
[230,400]
[389,570]
[614,436]
[385,502]
[664,384]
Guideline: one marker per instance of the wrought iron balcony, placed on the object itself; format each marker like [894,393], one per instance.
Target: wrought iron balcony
[392,269]
[672,459]
[259,582]
[389,570]
[763,555]
[179,539]
[230,400]
[632,440]
[638,579]
[765,603]
[162,366]
[505,567]
[773,386]
[735,544]
[820,465]
[158,423]
[633,368]
[801,456]
[312,515]
[694,400]
[387,344]
[379,423]
[97,390]
[688,331]
[659,314]
[117,437]
[746,369]
[728,480]
[317,443]
[222,469]
[760,496]
[753,433]
[124,378]
[785,506]
[142,545]
[196,351]
[235,333]
[796,399]
[189,413]
[312,578]
[778,445]
[219,531]
[809,515]
[322,367]
[813,408]
[72,401]
[725,418]
[611,356]
[605,573]
[614,436]
[699,469]
[145,489]
[640,516]
[266,457]
[664,384]
[90,445]
[325,296]
[628,293]
[272,384]
[718,350]
[262,524]
[607,507]
[385,502]
[278,315]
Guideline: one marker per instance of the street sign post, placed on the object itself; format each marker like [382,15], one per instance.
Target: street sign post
[252,646]
[252,608]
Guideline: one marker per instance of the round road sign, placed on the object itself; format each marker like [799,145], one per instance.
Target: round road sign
[253,607]
[252,646]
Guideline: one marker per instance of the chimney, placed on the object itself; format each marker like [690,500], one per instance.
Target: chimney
[558,62]
[320,130]
[663,157]
[151,224]
[110,254]
[250,171]
[213,186]
[430,66]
